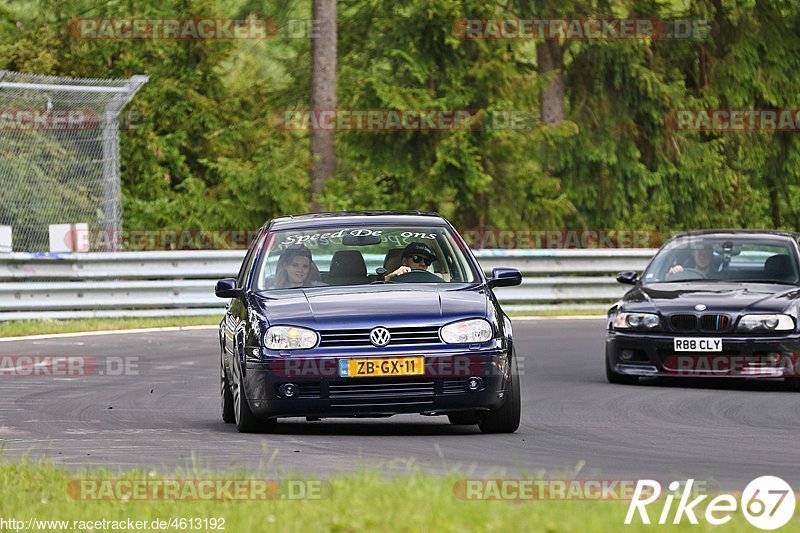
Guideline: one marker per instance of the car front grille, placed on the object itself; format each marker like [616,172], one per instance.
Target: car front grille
[360,337]
[382,392]
[311,390]
[683,322]
[715,322]
[707,322]
[454,385]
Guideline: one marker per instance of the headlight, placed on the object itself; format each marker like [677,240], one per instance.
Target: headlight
[636,321]
[467,331]
[766,323]
[289,338]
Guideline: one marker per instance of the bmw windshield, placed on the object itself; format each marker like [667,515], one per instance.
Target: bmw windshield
[722,258]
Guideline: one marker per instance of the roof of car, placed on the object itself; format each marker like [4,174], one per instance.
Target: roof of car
[358,218]
[739,233]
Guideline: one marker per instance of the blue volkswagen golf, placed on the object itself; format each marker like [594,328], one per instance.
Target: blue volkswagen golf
[366,314]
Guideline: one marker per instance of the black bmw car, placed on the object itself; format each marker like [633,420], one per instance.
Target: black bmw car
[366,314]
[710,304]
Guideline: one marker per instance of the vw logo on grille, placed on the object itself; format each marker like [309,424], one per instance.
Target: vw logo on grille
[380,336]
[700,307]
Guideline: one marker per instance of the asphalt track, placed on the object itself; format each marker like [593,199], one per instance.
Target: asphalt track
[163,413]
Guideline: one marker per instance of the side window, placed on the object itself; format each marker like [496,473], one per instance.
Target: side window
[459,269]
[247,264]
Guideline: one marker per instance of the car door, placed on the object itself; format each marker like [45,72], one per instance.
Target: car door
[236,313]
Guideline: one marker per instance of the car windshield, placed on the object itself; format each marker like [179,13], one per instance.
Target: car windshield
[348,255]
[720,258]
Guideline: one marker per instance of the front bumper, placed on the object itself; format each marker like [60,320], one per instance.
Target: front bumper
[322,393]
[653,355]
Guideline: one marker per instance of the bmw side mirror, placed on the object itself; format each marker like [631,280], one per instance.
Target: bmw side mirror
[505,277]
[226,288]
[628,278]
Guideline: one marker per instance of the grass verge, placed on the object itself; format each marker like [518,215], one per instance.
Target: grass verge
[363,501]
[18,328]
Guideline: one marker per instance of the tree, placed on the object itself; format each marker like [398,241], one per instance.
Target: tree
[323,96]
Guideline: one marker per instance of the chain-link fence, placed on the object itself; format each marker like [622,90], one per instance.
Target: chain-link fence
[59,154]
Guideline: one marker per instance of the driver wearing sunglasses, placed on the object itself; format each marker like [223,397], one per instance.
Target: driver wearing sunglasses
[417,257]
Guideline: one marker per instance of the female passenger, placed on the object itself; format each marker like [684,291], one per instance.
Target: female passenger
[296,269]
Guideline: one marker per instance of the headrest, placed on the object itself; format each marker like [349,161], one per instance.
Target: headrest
[393,259]
[347,263]
[779,267]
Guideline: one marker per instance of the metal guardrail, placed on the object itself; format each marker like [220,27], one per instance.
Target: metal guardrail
[182,283]
[120,265]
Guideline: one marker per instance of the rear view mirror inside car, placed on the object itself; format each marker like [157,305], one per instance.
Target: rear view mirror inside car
[361,240]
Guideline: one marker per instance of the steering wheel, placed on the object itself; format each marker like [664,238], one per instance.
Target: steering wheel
[687,274]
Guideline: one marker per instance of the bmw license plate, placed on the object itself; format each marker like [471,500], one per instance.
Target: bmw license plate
[697,344]
[395,366]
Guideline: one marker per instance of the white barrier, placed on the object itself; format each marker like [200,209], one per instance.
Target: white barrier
[182,283]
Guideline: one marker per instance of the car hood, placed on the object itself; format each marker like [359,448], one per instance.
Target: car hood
[722,297]
[371,305]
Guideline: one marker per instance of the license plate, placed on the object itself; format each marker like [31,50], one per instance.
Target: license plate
[395,366]
[697,344]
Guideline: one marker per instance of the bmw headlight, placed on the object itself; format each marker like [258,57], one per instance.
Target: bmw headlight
[289,338]
[766,323]
[636,321]
[467,331]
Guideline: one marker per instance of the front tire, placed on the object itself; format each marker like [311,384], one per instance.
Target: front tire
[226,396]
[246,421]
[505,419]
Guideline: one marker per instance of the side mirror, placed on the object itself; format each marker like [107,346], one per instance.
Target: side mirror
[505,277]
[628,278]
[226,288]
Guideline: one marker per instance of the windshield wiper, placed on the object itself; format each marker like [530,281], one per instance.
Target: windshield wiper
[689,280]
[773,281]
[732,281]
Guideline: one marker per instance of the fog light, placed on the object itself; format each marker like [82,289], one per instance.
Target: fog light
[288,390]
[626,355]
[474,384]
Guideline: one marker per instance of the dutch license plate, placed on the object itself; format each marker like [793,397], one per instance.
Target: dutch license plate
[697,344]
[395,366]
